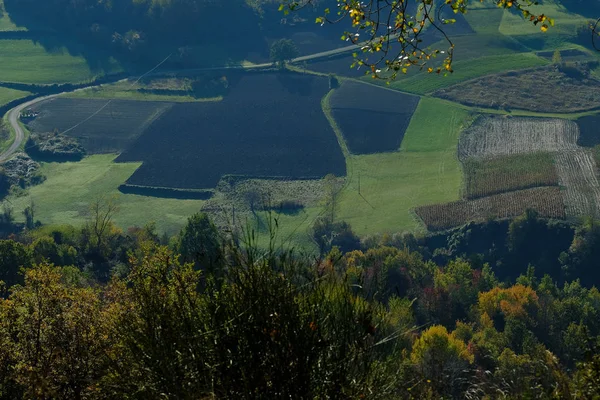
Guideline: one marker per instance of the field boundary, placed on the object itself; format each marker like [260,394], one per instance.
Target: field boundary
[168,193]
[54,88]
[326,107]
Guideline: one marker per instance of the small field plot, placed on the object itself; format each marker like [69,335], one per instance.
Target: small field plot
[589,131]
[27,62]
[102,127]
[545,200]
[269,125]
[372,119]
[549,89]
[500,136]
[505,174]
[577,172]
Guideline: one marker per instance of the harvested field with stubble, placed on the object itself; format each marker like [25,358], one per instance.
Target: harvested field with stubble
[502,154]
[546,200]
[269,125]
[501,136]
[372,119]
[578,173]
[111,130]
[509,173]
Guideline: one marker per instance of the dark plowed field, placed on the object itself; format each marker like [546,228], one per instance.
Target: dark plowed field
[269,125]
[589,131]
[112,129]
[372,119]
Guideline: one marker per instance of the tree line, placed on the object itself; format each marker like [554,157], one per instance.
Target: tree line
[96,312]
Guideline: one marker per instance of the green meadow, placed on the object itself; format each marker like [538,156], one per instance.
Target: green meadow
[70,188]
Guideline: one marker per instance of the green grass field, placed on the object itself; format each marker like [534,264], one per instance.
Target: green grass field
[6,24]
[27,62]
[565,22]
[509,173]
[484,20]
[479,45]
[292,231]
[7,95]
[70,188]
[426,170]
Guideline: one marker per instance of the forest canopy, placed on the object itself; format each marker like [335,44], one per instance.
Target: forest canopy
[114,314]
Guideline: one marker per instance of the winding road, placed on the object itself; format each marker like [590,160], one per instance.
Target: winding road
[13,119]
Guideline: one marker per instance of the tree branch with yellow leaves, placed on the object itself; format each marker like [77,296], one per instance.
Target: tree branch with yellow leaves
[390,33]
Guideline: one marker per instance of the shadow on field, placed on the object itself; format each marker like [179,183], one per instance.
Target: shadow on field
[166,193]
[294,84]
[134,39]
[589,133]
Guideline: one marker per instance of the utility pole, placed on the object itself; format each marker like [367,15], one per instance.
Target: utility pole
[359,182]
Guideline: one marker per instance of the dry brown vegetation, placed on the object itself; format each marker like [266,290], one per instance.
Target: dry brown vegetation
[546,200]
[577,172]
[554,88]
[505,174]
[514,164]
[500,136]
